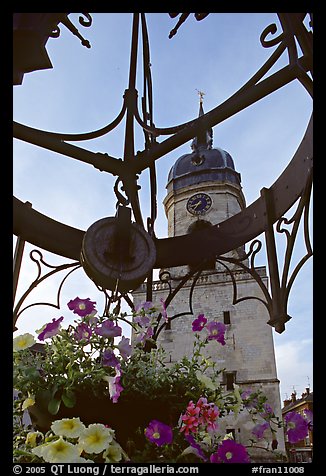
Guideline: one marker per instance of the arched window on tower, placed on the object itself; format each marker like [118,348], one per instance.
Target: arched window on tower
[209,264]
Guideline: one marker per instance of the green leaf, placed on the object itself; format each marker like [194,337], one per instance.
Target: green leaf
[54,406]
[69,398]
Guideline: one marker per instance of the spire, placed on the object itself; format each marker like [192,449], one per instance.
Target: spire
[204,140]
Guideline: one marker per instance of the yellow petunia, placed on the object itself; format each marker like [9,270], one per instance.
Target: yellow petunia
[69,427]
[28,402]
[113,453]
[95,438]
[59,451]
[32,436]
[23,342]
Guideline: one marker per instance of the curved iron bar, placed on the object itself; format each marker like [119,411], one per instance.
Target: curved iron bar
[196,273]
[47,233]
[293,29]
[84,22]
[271,29]
[297,73]
[251,270]
[86,135]
[55,269]
[302,209]
[71,27]
[55,33]
[234,104]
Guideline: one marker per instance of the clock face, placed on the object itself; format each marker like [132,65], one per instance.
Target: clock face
[199,204]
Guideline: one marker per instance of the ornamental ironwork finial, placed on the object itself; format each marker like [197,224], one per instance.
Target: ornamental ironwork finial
[201,95]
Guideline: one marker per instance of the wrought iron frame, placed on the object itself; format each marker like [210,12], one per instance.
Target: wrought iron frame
[293,184]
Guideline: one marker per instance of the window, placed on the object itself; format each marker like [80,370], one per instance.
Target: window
[208,264]
[226,317]
[229,379]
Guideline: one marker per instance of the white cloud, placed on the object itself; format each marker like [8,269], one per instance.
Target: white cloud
[294,366]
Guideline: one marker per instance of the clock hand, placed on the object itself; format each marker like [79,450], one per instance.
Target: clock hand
[197,205]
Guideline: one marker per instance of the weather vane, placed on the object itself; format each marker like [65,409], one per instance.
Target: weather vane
[201,95]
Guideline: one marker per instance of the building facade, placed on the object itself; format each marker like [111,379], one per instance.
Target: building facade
[204,189]
[302,451]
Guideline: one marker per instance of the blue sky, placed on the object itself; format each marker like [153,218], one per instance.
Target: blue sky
[84,92]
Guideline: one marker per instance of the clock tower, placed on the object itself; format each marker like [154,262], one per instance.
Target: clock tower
[204,189]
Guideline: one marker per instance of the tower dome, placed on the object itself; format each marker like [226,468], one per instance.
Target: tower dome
[203,164]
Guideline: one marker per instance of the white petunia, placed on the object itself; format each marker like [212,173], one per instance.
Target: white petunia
[23,341]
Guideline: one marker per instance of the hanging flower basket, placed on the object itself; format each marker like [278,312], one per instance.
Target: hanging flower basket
[125,417]
[83,386]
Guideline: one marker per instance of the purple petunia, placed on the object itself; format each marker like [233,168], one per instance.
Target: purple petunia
[259,430]
[82,307]
[296,427]
[142,320]
[159,433]
[216,331]
[124,347]
[229,451]
[199,452]
[309,418]
[109,359]
[51,329]
[83,331]
[199,323]
[268,411]
[144,306]
[108,329]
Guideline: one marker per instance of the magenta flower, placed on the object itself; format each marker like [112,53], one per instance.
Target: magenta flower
[296,427]
[216,331]
[51,329]
[164,313]
[159,433]
[229,451]
[83,331]
[109,359]
[199,323]
[124,348]
[259,430]
[108,329]
[82,307]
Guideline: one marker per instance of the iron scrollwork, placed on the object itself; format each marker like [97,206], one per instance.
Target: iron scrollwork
[127,170]
[37,257]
